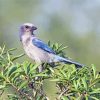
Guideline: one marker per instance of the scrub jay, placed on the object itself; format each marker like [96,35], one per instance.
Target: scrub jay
[37,50]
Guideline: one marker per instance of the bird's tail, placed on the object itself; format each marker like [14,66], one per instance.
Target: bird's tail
[67,61]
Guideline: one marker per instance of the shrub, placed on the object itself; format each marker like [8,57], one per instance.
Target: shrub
[26,82]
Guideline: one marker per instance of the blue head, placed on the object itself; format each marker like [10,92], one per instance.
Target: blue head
[27,29]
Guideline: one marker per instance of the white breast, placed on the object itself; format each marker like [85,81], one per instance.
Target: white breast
[34,52]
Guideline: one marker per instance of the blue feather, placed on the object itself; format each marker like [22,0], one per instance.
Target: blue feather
[40,44]
[67,61]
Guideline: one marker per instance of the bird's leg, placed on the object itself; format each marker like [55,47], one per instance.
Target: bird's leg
[37,88]
[40,68]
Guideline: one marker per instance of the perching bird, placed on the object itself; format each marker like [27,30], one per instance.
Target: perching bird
[37,50]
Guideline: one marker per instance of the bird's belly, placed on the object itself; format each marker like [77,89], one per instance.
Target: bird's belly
[36,54]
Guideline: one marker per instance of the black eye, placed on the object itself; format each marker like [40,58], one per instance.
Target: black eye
[27,27]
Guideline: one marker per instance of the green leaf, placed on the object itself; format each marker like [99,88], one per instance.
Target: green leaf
[11,70]
[2,77]
[78,98]
[94,82]
[25,64]
[14,79]
[63,73]
[40,74]
[84,82]
[49,43]
[97,76]
[28,69]
[16,57]
[94,98]
[2,86]
[95,91]
[64,48]
[12,49]
[2,49]
[94,70]
[86,97]
[75,84]
[12,97]
[8,57]
[64,98]
[34,67]
[23,84]
[55,80]
[51,69]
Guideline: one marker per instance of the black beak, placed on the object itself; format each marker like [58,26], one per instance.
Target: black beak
[34,28]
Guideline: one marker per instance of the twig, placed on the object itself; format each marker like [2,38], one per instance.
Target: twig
[1,92]
[62,93]
[22,93]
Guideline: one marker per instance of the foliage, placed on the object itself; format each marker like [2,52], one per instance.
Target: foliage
[75,83]
[26,82]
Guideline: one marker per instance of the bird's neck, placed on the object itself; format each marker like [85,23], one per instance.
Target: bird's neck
[27,37]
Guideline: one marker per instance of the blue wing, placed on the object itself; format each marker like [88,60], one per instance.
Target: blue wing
[42,45]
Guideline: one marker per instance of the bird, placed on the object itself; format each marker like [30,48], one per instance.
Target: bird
[38,50]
